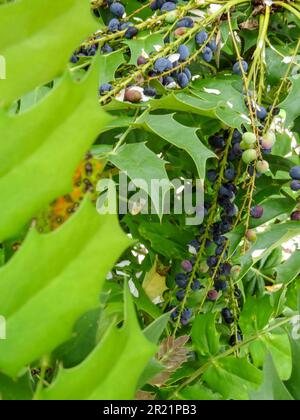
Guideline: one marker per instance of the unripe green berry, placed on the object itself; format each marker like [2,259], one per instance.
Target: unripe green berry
[203,268]
[251,235]
[268,140]
[249,156]
[247,146]
[249,138]
[235,272]
[171,16]
[262,166]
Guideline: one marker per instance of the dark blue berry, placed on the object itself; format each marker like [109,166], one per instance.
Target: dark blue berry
[212,261]
[168,80]
[117,9]
[261,113]
[234,340]
[237,67]
[106,87]
[213,45]
[295,173]
[217,141]
[162,64]
[184,53]
[131,32]
[74,59]
[295,185]
[224,191]
[168,7]
[186,316]
[212,175]
[188,73]
[186,22]
[181,280]
[125,25]
[225,269]
[174,314]
[180,295]
[220,240]
[207,54]
[150,91]
[221,285]
[227,315]
[237,136]
[201,37]
[195,244]
[106,49]
[230,174]
[183,80]
[196,285]
[113,25]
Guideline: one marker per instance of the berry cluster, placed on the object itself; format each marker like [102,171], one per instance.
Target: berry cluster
[186,280]
[171,70]
[295,175]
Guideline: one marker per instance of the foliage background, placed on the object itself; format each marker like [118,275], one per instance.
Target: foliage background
[65,321]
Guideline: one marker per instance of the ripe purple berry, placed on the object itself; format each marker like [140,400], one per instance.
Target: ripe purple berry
[213,295]
[257,212]
[187,266]
[296,216]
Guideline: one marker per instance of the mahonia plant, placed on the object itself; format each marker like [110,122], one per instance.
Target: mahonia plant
[196,90]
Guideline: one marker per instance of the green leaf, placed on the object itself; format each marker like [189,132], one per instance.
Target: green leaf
[143,43]
[256,315]
[228,102]
[156,328]
[198,392]
[60,283]
[291,103]
[13,390]
[144,167]
[112,370]
[165,240]
[41,39]
[43,148]
[293,383]
[204,335]
[109,63]
[289,270]
[272,388]
[273,208]
[83,341]
[181,136]
[232,378]
[267,241]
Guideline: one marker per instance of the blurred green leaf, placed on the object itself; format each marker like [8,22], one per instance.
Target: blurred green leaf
[40,35]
